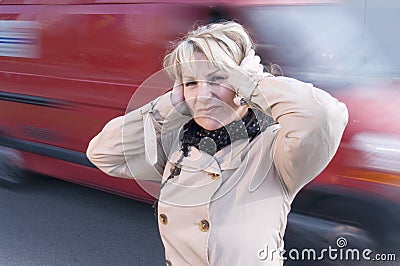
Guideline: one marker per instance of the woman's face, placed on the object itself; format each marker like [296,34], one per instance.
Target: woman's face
[209,96]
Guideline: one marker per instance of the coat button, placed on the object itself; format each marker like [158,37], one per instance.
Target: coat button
[168,263]
[214,176]
[204,225]
[175,171]
[163,218]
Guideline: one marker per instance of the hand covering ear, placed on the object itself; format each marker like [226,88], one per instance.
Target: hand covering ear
[177,93]
[252,63]
[178,98]
[245,77]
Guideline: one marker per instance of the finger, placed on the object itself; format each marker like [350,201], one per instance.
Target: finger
[251,53]
[177,83]
[178,87]
[261,67]
[248,57]
[177,93]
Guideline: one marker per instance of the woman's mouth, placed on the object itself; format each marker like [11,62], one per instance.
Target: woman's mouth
[206,110]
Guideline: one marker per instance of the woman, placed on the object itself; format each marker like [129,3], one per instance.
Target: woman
[231,145]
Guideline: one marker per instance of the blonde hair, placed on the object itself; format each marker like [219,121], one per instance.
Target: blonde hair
[223,44]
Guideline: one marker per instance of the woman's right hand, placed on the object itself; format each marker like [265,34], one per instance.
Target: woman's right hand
[177,94]
[178,99]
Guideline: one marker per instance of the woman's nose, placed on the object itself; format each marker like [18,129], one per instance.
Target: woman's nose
[204,90]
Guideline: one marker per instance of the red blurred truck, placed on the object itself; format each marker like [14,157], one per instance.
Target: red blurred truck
[68,67]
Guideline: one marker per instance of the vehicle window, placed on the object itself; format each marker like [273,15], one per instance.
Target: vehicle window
[313,41]
[382,38]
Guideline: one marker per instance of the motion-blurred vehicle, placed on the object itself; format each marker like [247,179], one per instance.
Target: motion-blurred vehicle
[69,66]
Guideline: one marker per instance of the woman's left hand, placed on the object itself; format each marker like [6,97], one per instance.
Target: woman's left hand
[252,64]
[245,77]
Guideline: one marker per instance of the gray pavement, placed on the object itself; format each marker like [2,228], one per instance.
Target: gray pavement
[46,221]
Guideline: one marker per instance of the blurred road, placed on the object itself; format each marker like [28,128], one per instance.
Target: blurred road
[49,222]
[46,221]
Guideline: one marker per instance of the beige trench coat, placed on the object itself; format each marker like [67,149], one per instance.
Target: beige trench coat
[230,208]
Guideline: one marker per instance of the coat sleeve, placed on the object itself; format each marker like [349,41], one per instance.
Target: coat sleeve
[120,148]
[312,123]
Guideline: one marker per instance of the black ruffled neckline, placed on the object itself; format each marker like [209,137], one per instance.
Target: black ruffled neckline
[211,141]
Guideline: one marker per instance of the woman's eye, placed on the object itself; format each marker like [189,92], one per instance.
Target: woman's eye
[190,83]
[217,79]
